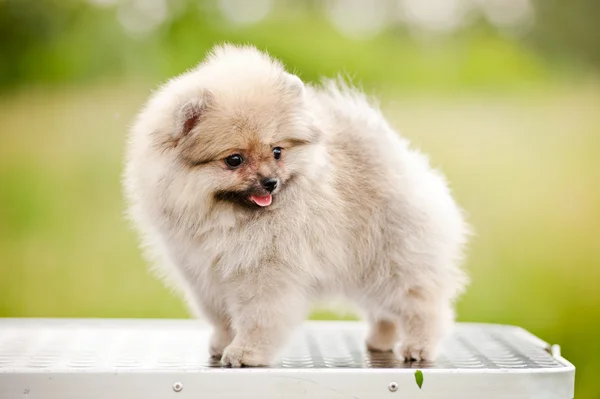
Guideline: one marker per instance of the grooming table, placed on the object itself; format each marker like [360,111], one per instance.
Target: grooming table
[168,359]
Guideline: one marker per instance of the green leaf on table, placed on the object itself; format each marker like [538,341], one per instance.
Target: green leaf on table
[419,378]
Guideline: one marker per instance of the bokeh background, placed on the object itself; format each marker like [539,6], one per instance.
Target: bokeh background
[503,94]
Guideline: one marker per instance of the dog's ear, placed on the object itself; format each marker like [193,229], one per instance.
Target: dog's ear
[190,113]
[295,85]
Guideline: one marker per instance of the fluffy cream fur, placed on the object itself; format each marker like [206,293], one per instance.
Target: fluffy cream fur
[357,213]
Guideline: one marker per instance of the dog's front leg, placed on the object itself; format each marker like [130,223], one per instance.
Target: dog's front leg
[264,312]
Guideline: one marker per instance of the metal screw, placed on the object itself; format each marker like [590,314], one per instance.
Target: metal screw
[177,387]
[393,387]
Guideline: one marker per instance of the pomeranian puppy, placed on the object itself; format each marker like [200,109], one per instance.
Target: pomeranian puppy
[257,195]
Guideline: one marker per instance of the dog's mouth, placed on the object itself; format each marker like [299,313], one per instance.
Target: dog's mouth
[262,200]
[245,199]
[253,198]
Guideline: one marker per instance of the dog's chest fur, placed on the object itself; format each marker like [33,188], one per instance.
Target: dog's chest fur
[306,245]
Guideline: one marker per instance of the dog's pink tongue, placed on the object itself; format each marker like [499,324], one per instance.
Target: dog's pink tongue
[262,201]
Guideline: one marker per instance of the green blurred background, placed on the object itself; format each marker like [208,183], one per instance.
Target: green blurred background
[504,95]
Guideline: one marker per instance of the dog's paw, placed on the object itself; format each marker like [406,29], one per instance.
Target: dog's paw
[382,337]
[375,346]
[235,356]
[218,342]
[413,351]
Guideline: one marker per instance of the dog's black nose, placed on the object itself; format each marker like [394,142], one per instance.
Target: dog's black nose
[269,183]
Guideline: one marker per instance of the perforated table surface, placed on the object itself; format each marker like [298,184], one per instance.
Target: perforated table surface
[72,358]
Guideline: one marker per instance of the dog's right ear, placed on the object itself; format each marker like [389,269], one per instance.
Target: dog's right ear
[189,114]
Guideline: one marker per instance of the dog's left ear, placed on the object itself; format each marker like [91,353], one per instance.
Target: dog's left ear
[295,85]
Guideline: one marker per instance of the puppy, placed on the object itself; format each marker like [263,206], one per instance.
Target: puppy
[257,194]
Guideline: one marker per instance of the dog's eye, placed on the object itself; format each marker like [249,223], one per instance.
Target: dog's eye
[233,161]
[277,152]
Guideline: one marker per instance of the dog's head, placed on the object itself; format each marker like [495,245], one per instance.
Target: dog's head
[237,131]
